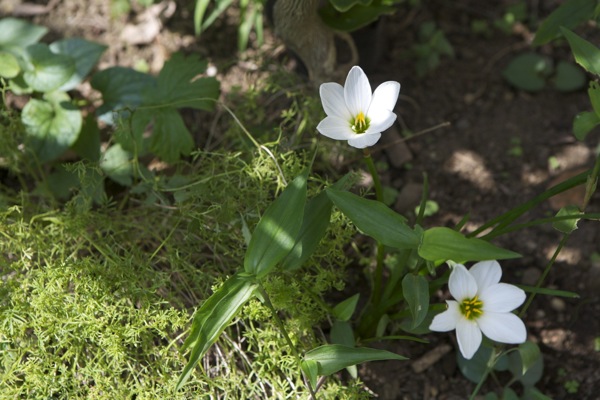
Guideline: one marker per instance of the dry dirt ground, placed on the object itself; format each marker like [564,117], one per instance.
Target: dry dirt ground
[494,154]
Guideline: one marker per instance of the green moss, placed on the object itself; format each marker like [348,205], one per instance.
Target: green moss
[96,297]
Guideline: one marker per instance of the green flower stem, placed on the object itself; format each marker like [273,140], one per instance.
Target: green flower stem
[592,183]
[284,331]
[377,289]
[374,174]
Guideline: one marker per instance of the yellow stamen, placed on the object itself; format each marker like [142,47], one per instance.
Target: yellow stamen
[360,123]
[471,308]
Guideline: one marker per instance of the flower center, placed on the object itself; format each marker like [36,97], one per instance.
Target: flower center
[361,123]
[471,308]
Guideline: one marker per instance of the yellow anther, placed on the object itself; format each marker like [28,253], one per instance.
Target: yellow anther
[360,123]
[471,308]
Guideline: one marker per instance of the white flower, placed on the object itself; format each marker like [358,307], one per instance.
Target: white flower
[482,305]
[354,113]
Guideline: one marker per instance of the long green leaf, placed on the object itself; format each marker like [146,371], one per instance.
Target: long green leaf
[569,14]
[199,11]
[276,232]
[416,292]
[375,219]
[214,316]
[440,244]
[332,358]
[317,213]
[586,54]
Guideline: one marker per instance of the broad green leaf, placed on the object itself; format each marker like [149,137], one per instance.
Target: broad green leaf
[567,225]
[569,14]
[170,137]
[62,182]
[178,85]
[16,34]
[344,310]
[45,71]
[534,371]
[215,314]
[116,163]
[52,124]
[528,72]
[530,353]
[354,18]
[88,141]
[568,77]
[342,333]
[311,370]
[9,65]
[530,392]
[85,54]
[317,214]
[121,88]
[586,54]
[375,219]
[441,244]
[415,289]
[345,5]
[332,358]
[583,123]
[475,368]
[509,394]
[276,232]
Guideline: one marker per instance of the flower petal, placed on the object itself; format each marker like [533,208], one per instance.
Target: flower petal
[502,327]
[501,297]
[364,140]
[385,96]
[486,273]
[468,335]
[332,97]
[357,91]
[380,121]
[461,283]
[336,128]
[446,321]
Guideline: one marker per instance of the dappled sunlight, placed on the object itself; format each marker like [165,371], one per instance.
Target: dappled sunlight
[471,167]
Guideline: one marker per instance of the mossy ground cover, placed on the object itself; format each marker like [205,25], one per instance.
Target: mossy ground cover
[97,292]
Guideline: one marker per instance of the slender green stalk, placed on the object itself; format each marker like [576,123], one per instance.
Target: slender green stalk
[560,246]
[377,284]
[284,331]
[489,367]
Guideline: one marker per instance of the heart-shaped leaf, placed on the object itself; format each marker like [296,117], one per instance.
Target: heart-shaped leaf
[44,70]
[52,124]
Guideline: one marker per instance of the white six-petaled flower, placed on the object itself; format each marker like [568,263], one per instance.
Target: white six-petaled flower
[354,113]
[481,304]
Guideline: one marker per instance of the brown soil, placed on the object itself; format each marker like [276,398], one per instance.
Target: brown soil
[493,155]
